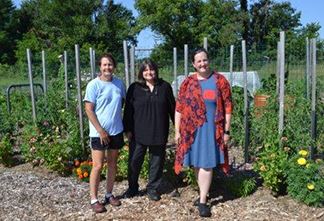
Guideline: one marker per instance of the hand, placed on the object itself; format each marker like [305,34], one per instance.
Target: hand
[226,138]
[177,137]
[104,137]
[129,135]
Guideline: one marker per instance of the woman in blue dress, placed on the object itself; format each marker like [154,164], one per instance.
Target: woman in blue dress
[202,124]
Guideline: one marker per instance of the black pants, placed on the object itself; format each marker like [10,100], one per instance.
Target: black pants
[137,153]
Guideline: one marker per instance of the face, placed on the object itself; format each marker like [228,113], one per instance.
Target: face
[149,74]
[107,67]
[201,63]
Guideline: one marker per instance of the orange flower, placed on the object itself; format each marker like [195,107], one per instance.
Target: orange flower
[79,171]
[80,176]
[85,174]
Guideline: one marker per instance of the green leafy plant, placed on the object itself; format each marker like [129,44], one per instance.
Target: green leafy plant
[270,164]
[6,151]
[305,179]
[240,185]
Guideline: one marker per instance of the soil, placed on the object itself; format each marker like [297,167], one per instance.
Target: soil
[35,193]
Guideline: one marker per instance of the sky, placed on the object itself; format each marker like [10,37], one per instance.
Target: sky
[311,11]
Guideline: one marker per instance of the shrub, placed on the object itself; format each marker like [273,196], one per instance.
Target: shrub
[240,185]
[305,179]
[6,151]
[83,171]
[270,164]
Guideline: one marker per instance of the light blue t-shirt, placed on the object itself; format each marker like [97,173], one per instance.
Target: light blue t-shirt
[107,97]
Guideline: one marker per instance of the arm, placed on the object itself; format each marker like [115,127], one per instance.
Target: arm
[177,118]
[227,98]
[104,136]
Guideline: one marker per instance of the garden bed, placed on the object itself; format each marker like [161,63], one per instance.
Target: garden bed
[35,193]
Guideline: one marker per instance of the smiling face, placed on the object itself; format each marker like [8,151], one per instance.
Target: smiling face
[107,67]
[201,63]
[149,74]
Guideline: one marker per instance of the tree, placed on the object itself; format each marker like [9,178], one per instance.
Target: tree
[8,35]
[57,25]
[268,19]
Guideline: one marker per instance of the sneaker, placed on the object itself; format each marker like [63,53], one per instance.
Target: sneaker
[204,210]
[153,195]
[130,193]
[112,201]
[197,201]
[98,207]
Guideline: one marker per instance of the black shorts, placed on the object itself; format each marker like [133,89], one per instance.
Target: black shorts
[116,143]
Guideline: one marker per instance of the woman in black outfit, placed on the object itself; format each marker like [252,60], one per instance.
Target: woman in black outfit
[149,105]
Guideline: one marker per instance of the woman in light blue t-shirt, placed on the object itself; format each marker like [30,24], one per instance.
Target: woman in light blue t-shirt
[103,104]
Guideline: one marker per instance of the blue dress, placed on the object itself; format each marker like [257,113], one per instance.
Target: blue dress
[204,152]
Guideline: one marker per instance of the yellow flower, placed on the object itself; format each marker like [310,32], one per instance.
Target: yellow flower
[79,171]
[263,168]
[301,161]
[310,186]
[303,153]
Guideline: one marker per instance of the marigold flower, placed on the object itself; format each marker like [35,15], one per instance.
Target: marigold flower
[310,186]
[302,161]
[303,153]
[263,168]
[79,171]
[85,174]
[80,176]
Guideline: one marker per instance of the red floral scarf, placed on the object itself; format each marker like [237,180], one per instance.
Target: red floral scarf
[191,105]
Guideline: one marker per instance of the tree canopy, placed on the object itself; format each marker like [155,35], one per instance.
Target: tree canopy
[57,25]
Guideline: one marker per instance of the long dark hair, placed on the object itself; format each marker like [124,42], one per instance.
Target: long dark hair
[152,65]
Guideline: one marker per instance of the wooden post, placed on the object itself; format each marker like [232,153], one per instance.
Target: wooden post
[126,63]
[132,64]
[44,72]
[278,68]
[231,64]
[91,63]
[30,75]
[313,111]
[282,82]
[206,43]
[66,80]
[175,89]
[246,105]
[186,60]
[77,67]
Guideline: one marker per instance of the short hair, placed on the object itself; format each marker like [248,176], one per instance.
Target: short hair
[197,51]
[152,65]
[109,56]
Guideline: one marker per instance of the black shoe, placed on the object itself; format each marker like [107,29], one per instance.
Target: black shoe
[153,195]
[130,193]
[197,201]
[204,210]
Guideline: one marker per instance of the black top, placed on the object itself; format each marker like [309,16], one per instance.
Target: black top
[147,113]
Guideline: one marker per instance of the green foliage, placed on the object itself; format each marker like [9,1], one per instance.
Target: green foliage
[305,179]
[6,151]
[237,124]
[240,185]
[270,164]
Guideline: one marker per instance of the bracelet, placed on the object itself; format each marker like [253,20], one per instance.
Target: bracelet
[227,132]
